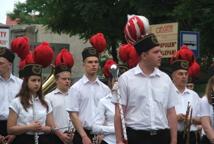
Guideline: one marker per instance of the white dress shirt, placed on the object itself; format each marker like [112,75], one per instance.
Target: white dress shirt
[57,101]
[83,98]
[206,109]
[27,117]
[181,108]
[146,98]
[8,90]
[104,120]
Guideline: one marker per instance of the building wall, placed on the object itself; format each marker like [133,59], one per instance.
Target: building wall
[39,33]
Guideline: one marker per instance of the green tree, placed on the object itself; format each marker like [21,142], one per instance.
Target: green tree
[197,15]
[86,17]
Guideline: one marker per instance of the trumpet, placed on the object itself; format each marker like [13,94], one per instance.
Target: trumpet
[187,123]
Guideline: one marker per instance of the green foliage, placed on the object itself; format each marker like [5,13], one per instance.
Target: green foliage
[86,17]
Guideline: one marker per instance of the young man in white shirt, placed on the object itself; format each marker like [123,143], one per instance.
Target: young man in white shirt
[148,98]
[9,87]
[84,96]
[57,99]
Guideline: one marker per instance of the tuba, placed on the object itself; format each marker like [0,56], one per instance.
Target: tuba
[49,84]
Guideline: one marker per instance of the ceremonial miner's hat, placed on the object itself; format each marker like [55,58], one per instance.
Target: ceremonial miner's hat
[179,64]
[146,43]
[64,61]
[98,43]
[7,53]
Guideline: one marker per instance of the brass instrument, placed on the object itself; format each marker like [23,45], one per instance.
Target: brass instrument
[187,123]
[49,84]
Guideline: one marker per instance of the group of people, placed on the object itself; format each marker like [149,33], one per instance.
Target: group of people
[156,107]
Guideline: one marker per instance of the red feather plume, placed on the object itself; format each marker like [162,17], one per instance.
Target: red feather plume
[43,54]
[186,54]
[64,57]
[128,54]
[22,64]
[194,69]
[98,41]
[20,46]
[28,60]
[107,67]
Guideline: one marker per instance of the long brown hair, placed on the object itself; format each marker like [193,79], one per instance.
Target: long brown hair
[209,89]
[25,96]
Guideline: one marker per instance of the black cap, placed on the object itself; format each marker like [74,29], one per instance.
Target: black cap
[31,69]
[179,64]
[7,53]
[146,43]
[88,52]
[61,68]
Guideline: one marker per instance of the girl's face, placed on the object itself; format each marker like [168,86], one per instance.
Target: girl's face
[34,83]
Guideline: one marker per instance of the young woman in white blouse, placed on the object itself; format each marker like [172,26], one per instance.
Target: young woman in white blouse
[30,117]
[104,121]
[207,113]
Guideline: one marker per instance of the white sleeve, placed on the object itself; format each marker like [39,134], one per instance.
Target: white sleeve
[122,86]
[98,126]
[48,100]
[196,109]
[204,108]
[15,105]
[172,96]
[72,100]
[50,109]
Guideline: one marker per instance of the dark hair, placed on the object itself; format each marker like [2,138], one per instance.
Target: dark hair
[209,90]
[25,97]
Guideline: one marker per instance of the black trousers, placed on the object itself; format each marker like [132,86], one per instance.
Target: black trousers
[3,127]
[194,138]
[103,142]
[55,139]
[148,137]
[77,138]
[205,140]
[29,139]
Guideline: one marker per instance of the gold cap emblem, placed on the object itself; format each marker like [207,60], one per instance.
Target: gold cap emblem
[37,69]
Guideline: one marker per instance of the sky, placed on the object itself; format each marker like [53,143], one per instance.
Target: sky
[5,7]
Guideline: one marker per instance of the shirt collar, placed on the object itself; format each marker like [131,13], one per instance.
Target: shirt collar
[86,80]
[12,77]
[34,99]
[57,91]
[138,70]
[186,91]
